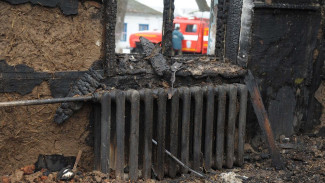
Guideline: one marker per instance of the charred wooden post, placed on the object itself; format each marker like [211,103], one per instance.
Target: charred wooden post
[168,18]
[221,27]
[110,10]
[233,30]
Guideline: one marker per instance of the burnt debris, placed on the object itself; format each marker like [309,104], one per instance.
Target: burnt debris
[153,53]
[87,84]
[53,163]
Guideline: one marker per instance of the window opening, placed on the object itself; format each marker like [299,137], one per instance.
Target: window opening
[124,33]
[143,27]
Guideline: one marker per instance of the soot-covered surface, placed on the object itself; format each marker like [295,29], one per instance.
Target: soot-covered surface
[284,43]
[68,7]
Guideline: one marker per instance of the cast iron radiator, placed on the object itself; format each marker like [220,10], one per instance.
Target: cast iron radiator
[201,126]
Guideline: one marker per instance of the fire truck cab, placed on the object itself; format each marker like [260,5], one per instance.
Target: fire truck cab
[195,32]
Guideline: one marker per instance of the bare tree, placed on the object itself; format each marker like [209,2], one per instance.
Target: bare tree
[203,5]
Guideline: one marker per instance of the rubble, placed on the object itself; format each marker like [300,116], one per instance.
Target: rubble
[303,164]
[28,169]
[230,177]
[17,176]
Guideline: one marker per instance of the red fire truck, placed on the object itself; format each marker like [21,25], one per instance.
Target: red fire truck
[195,32]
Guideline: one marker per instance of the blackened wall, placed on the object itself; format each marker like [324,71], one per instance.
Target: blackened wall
[282,57]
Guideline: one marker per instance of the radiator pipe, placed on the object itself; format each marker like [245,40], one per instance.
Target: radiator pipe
[93,97]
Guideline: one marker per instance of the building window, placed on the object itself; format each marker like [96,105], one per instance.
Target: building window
[124,33]
[191,28]
[143,27]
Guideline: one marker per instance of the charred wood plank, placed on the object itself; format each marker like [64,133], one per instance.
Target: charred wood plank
[263,119]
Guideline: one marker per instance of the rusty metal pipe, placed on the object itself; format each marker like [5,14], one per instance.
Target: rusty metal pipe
[48,101]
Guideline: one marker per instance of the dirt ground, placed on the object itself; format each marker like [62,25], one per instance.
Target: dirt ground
[304,158]
[46,40]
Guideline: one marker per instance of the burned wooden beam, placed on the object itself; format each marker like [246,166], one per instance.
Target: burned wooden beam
[263,119]
[110,10]
[168,18]
[221,27]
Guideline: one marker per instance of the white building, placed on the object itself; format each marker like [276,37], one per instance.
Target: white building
[138,17]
